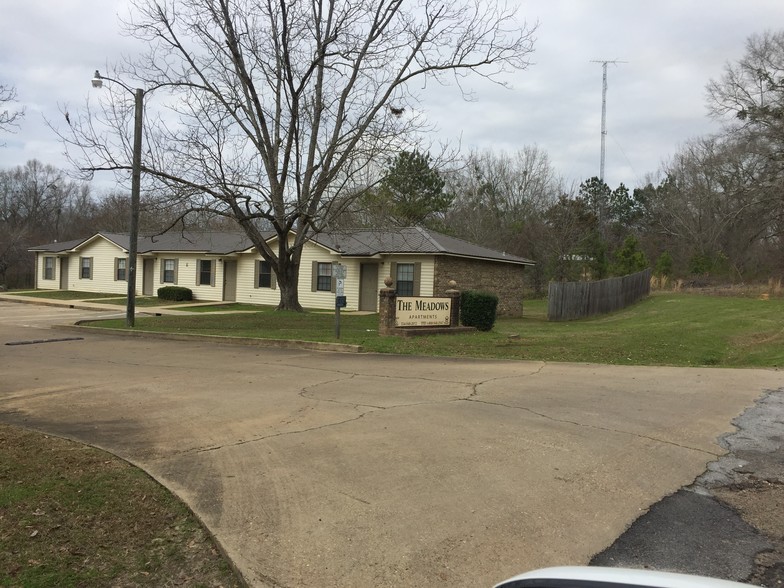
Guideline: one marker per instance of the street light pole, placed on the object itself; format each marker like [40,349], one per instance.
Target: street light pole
[130,311]
[136,175]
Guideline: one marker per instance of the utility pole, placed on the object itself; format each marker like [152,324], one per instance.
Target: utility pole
[604,63]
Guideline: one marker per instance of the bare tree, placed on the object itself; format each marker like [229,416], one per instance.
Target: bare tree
[751,91]
[35,200]
[9,119]
[714,204]
[278,107]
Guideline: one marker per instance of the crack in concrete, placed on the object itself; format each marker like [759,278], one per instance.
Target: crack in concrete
[476,385]
[274,435]
[471,397]
[596,427]
[305,392]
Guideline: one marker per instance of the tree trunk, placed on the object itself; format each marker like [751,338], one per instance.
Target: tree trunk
[288,278]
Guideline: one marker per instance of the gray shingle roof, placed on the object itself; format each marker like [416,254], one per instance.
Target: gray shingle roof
[349,243]
[416,240]
[214,243]
[58,246]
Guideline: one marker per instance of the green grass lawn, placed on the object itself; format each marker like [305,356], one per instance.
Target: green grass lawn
[71,515]
[233,307]
[665,329]
[141,301]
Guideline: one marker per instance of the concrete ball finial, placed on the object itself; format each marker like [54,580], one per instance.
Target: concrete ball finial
[388,281]
[452,284]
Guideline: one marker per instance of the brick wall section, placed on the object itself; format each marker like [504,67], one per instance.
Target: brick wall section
[505,280]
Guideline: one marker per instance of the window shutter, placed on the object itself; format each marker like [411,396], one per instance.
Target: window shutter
[176,263]
[256,272]
[393,274]
[92,267]
[198,272]
[163,268]
[417,276]
[212,272]
[273,279]
[314,277]
[116,267]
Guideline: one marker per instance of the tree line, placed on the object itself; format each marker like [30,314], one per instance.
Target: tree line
[298,117]
[713,211]
[41,204]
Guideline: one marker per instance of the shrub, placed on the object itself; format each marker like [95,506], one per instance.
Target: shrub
[664,265]
[629,259]
[176,293]
[478,309]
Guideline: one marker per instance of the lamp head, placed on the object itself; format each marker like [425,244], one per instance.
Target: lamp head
[97,80]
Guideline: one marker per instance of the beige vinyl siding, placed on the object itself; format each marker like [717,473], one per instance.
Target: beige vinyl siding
[246,283]
[246,275]
[315,253]
[187,274]
[188,271]
[41,283]
[103,254]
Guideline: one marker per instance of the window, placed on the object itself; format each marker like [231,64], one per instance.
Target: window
[169,271]
[48,268]
[86,268]
[205,276]
[265,275]
[321,278]
[121,269]
[324,277]
[405,279]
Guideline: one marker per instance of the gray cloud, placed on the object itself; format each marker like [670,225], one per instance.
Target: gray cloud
[655,101]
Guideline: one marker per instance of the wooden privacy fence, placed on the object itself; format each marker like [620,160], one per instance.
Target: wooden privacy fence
[574,300]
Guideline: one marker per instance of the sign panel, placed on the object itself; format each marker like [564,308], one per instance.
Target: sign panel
[415,311]
[338,270]
[340,302]
[340,285]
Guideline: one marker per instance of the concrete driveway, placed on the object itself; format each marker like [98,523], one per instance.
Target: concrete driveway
[322,469]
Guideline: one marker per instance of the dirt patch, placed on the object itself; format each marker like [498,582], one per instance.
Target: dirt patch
[761,504]
[71,515]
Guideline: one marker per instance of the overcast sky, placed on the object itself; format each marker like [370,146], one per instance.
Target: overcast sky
[656,101]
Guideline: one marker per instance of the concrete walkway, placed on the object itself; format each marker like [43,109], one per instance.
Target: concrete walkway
[322,469]
[94,304]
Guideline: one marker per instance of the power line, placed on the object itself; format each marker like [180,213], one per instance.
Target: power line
[604,63]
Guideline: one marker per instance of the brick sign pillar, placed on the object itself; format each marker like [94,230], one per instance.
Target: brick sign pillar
[386,308]
[454,307]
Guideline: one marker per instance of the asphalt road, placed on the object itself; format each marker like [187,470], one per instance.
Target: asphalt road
[323,469]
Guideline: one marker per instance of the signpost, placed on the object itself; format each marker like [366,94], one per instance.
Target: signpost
[339,273]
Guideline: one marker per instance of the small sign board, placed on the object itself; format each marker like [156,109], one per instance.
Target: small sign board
[338,271]
[340,285]
[417,311]
[340,302]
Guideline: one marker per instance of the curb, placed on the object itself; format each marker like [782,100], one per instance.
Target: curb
[248,341]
